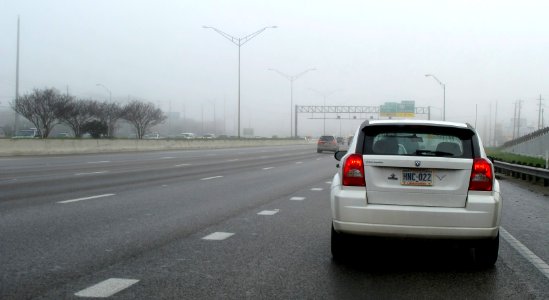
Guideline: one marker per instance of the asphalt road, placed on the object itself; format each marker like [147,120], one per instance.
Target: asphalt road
[132,226]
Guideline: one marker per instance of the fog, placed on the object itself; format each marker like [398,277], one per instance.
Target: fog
[364,52]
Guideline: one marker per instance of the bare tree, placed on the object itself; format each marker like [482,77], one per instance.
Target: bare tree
[42,108]
[77,112]
[142,116]
[109,113]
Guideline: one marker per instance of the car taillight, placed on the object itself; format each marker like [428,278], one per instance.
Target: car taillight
[353,171]
[481,175]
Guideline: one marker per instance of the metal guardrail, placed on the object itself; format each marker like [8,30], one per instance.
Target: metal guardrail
[524,172]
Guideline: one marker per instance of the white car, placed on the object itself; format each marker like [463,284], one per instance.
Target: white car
[416,179]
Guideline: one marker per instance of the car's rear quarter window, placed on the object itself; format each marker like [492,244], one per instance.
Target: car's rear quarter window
[414,140]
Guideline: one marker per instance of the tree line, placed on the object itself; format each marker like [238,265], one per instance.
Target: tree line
[45,108]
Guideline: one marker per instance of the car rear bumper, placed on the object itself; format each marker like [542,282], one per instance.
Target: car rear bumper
[480,218]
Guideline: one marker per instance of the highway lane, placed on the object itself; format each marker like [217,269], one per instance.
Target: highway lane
[46,242]
[152,231]
[30,178]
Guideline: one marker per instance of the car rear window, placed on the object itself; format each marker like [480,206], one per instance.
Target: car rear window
[408,140]
[326,138]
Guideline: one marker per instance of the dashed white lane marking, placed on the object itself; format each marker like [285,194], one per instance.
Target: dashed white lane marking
[218,236]
[235,159]
[85,198]
[213,177]
[328,182]
[317,189]
[167,157]
[298,162]
[297,198]
[268,212]
[182,165]
[526,253]
[164,185]
[107,288]
[318,158]
[91,173]
[99,162]
[268,168]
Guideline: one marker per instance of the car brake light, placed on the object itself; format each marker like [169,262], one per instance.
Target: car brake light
[353,171]
[481,175]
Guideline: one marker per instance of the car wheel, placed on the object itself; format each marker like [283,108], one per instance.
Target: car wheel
[339,244]
[486,253]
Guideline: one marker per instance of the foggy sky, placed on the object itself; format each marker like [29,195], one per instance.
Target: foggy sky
[368,52]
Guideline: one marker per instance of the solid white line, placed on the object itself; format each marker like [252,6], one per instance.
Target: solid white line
[91,173]
[86,198]
[268,168]
[317,189]
[182,165]
[525,252]
[297,198]
[214,177]
[99,162]
[268,212]
[107,288]
[218,236]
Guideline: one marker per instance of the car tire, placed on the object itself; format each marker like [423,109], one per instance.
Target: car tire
[338,244]
[486,253]
[318,151]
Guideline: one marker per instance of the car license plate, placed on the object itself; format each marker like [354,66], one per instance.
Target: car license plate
[417,177]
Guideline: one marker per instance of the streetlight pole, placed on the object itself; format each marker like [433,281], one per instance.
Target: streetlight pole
[239,42]
[292,79]
[110,94]
[444,95]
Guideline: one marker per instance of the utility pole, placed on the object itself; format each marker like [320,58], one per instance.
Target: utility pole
[490,126]
[518,122]
[515,121]
[495,125]
[540,125]
[17,80]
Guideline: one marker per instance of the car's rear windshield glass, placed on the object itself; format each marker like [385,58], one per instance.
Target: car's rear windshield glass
[326,138]
[412,140]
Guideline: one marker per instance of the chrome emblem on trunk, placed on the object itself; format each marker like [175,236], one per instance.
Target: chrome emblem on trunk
[418,163]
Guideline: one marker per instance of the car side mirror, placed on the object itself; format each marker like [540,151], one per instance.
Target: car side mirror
[339,154]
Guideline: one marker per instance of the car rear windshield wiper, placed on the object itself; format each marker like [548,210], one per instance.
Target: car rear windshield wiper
[433,153]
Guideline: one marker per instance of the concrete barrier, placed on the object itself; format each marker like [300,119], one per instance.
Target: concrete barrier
[11,147]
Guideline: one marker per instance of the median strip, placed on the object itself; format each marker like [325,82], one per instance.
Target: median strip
[106,288]
[85,198]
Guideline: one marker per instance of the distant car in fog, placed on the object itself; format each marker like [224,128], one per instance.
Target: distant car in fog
[327,143]
[187,135]
[27,134]
[152,136]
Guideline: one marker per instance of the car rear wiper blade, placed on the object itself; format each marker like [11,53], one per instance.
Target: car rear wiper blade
[433,153]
